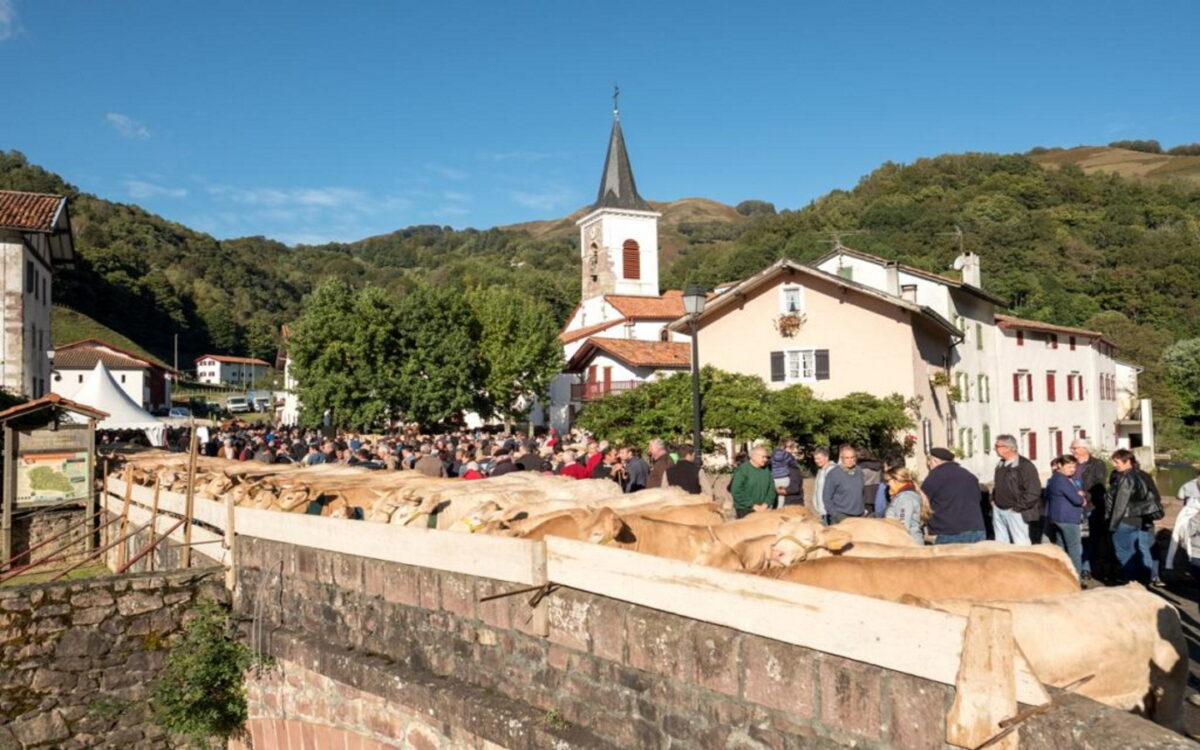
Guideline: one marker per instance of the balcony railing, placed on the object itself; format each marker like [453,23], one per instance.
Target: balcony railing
[593,391]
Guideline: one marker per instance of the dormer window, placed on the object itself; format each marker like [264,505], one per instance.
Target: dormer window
[791,299]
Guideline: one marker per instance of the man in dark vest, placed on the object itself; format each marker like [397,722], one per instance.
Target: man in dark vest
[688,475]
[1092,474]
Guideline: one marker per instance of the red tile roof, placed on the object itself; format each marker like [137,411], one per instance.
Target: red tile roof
[668,306]
[84,358]
[51,399]
[567,337]
[662,354]
[29,212]
[1008,321]
[97,343]
[235,360]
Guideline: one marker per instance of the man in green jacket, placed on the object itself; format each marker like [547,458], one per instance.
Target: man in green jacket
[752,487]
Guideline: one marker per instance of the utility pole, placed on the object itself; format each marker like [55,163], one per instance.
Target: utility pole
[177,352]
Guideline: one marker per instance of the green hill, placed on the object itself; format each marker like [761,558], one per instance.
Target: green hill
[1062,235]
[68,326]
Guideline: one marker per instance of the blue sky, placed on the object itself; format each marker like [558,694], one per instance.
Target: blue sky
[311,121]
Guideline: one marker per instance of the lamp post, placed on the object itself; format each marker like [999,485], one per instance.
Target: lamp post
[693,305]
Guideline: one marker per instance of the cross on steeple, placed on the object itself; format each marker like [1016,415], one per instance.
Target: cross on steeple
[616,95]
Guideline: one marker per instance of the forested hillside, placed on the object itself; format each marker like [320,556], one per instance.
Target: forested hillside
[1098,250]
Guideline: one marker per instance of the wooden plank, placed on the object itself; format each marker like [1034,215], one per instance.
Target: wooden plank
[123,548]
[154,515]
[139,515]
[985,687]
[496,557]
[230,525]
[204,510]
[189,510]
[916,641]
[10,492]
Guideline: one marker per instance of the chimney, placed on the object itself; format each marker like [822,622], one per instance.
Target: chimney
[909,292]
[968,263]
[892,276]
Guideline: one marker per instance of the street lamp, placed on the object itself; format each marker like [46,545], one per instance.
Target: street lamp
[693,305]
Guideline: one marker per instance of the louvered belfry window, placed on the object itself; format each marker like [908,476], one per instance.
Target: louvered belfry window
[631,256]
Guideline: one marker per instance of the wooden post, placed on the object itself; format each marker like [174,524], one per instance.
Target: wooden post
[540,623]
[104,501]
[89,541]
[986,688]
[154,516]
[10,492]
[123,550]
[190,506]
[230,577]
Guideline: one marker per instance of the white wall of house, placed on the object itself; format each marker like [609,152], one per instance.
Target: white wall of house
[24,317]
[135,383]
[1034,359]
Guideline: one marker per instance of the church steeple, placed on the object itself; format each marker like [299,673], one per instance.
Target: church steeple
[617,188]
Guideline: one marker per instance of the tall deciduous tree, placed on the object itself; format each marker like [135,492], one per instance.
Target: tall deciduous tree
[441,373]
[519,345]
[1181,365]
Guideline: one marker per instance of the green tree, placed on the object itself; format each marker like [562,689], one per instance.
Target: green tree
[440,374]
[518,342]
[1181,366]
[345,351]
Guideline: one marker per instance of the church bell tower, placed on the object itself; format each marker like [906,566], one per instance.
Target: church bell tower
[618,238]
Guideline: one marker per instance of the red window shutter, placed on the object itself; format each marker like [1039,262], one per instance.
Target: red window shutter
[1070,387]
[1020,338]
[1050,392]
[631,256]
[1083,434]
[1032,446]
[1054,341]
[1029,385]
[1058,443]
[1016,386]
[1072,341]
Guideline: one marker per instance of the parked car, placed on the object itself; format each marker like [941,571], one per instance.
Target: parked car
[262,403]
[237,405]
[179,412]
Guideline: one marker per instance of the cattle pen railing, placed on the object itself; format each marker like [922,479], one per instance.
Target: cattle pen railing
[921,642]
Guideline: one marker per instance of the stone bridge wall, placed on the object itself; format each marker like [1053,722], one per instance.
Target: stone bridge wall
[77,657]
[409,657]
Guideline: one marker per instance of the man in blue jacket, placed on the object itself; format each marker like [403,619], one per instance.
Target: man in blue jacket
[956,500]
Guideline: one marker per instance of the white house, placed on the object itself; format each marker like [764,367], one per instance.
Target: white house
[35,236]
[242,372]
[146,382]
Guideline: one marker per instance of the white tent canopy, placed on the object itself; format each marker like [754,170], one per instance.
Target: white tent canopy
[102,392]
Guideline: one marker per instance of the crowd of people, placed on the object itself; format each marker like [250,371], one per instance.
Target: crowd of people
[1102,519]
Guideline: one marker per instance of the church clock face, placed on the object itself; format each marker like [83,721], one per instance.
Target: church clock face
[593,233]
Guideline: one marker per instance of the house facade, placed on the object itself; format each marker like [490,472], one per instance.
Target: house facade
[35,237]
[240,372]
[793,324]
[146,381]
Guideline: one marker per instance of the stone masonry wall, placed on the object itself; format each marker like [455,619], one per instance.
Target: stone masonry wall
[626,676]
[394,656]
[77,657]
[31,529]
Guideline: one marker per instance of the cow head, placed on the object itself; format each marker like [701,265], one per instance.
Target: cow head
[602,527]
[796,541]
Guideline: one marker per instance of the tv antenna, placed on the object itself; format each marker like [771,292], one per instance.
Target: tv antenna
[835,238]
[958,232]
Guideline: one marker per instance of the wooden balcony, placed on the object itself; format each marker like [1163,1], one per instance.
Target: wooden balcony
[600,389]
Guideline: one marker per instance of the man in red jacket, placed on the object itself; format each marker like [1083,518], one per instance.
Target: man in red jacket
[572,468]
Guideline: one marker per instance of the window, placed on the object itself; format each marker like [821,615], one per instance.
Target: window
[1022,386]
[45,292]
[791,299]
[799,365]
[664,334]
[1056,440]
[1071,342]
[984,389]
[979,336]
[631,256]
[1051,379]
[1051,340]
[29,277]
[80,378]
[122,378]
[966,442]
[963,382]
[987,439]
[1029,444]
[1020,338]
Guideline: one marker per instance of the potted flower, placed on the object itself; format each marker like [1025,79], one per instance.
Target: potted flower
[788,324]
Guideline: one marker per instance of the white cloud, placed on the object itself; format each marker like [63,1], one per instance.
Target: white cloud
[516,155]
[142,189]
[547,200]
[454,195]
[125,125]
[449,173]
[9,23]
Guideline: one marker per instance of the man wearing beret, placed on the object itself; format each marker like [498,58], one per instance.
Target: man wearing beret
[955,497]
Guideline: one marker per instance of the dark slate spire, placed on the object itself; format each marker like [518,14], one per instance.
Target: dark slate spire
[617,189]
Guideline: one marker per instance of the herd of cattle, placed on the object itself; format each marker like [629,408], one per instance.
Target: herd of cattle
[1129,640]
